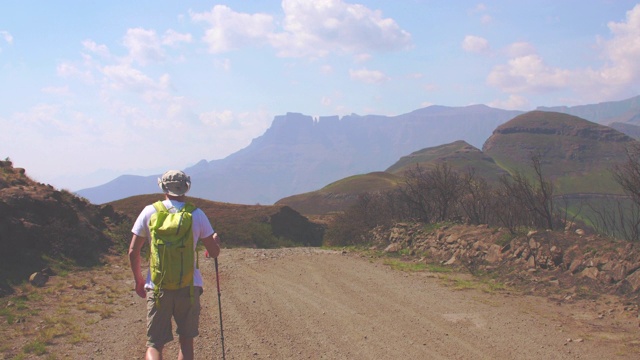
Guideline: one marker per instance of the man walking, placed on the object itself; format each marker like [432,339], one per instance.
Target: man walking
[165,302]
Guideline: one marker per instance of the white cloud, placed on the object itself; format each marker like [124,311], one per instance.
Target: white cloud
[231,30]
[67,70]
[368,76]
[520,49]
[233,130]
[317,28]
[475,44]
[527,72]
[480,8]
[6,36]
[310,29]
[62,90]
[623,50]
[144,46]
[93,47]
[172,37]
[514,102]
[224,64]
[217,118]
[123,76]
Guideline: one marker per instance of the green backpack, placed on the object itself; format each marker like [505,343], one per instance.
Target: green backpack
[172,252]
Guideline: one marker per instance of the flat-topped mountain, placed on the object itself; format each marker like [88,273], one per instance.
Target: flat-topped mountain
[578,155]
[300,153]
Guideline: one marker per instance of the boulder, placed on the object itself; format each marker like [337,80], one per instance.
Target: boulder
[38,279]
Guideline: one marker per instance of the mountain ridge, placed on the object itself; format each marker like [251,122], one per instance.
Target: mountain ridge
[300,153]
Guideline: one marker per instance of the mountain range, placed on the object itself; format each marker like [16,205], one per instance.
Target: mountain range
[299,153]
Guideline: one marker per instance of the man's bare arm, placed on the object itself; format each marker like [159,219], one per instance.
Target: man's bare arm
[134,260]
[212,244]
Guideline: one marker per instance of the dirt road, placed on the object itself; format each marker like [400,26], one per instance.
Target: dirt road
[317,304]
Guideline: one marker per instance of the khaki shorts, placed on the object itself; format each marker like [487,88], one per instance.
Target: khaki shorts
[176,304]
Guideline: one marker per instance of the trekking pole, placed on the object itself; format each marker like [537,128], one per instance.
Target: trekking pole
[219,308]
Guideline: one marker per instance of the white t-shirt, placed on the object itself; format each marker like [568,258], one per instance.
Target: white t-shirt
[201,229]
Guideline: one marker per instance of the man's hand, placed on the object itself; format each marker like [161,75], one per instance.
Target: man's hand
[212,244]
[140,290]
[134,260]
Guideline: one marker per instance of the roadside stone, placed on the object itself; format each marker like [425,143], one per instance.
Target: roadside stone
[38,279]
[634,280]
[576,265]
[393,247]
[590,272]
[494,254]
[451,261]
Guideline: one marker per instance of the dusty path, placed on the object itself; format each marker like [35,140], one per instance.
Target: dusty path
[317,304]
[314,304]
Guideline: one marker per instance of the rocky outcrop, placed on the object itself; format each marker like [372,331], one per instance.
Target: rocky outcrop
[543,258]
[38,222]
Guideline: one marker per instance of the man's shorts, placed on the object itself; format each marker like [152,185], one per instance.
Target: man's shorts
[176,304]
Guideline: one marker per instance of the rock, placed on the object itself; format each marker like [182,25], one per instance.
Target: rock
[451,261]
[494,254]
[634,280]
[590,272]
[576,265]
[393,247]
[618,272]
[38,279]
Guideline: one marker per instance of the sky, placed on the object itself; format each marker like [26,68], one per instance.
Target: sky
[90,90]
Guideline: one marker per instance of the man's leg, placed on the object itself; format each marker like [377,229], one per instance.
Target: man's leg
[186,348]
[187,316]
[158,323]
[153,354]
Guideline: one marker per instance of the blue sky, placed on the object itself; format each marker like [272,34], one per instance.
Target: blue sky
[91,90]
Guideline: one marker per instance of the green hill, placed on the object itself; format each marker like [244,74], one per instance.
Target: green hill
[243,225]
[340,194]
[576,154]
[459,155]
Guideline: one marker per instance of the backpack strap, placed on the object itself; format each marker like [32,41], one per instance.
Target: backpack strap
[159,206]
[189,207]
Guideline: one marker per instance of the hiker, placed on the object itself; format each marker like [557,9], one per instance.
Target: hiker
[183,303]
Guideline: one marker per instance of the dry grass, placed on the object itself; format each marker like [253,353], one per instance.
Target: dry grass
[35,320]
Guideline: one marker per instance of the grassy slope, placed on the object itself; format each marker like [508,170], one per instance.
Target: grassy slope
[238,225]
[577,155]
[340,194]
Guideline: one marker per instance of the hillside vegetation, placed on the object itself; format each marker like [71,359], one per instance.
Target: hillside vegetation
[243,225]
[575,154]
[44,227]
